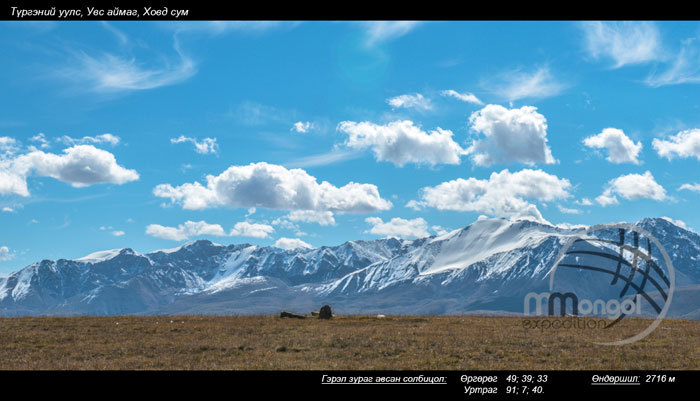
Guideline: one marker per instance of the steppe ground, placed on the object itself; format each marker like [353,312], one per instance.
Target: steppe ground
[344,342]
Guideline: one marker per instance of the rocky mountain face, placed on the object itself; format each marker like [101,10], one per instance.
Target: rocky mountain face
[486,267]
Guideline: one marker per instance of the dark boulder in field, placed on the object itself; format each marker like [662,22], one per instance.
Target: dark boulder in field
[325,312]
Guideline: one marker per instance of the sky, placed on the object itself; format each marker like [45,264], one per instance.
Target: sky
[305,134]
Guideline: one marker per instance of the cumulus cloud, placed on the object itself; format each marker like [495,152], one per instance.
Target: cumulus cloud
[684,144]
[11,183]
[398,227]
[516,85]
[118,233]
[80,166]
[86,140]
[502,194]
[465,97]
[205,146]
[184,231]
[510,135]
[302,127]
[621,149]
[415,101]
[322,217]
[632,187]
[291,243]
[401,142]
[245,229]
[623,42]
[274,187]
[5,254]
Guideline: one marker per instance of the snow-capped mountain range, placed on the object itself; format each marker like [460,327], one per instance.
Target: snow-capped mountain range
[486,267]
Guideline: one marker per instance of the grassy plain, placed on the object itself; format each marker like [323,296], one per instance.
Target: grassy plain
[345,342]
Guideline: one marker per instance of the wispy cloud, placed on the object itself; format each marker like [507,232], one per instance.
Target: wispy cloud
[518,84]
[465,97]
[324,159]
[119,35]
[378,32]
[109,72]
[623,42]
[683,69]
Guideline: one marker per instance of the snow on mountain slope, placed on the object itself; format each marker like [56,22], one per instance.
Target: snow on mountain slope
[488,265]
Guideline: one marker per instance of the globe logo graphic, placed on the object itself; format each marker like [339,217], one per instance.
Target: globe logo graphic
[613,271]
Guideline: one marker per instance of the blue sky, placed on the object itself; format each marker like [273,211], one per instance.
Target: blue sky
[150,134]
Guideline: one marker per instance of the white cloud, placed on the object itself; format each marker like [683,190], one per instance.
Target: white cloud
[401,142]
[5,254]
[323,159]
[569,226]
[584,202]
[291,243]
[185,231]
[621,149]
[398,227]
[302,127]
[607,199]
[322,217]
[568,210]
[41,138]
[465,97]
[118,233]
[378,32]
[440,230]
[632,187]
[684,144]
[623,42]
[415,101]
[205,146]
[86,140]
[510,135]
[114,73]
[8,146]
[245,229]
[518,85]
[80,166]
[8,209]
[691,187]
[11,183]
[274,187]
[502,194]
[679,223]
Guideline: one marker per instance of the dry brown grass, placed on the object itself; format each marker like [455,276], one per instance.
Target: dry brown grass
[346,342]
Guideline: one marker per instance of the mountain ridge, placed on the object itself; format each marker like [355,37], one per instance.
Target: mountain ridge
[487,265]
